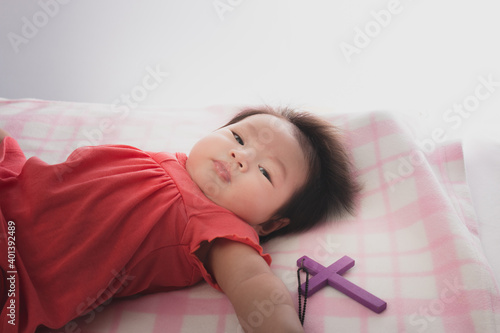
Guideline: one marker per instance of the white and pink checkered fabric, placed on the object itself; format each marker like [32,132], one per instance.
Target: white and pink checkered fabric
[414,239]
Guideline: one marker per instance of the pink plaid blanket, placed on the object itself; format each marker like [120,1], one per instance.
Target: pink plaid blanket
[414,238]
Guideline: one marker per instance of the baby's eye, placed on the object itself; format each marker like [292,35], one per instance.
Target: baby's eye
[265,173]
[238,139]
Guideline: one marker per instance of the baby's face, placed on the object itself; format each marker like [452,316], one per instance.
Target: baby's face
[251,168]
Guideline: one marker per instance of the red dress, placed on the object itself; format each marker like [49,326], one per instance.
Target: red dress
[111,221]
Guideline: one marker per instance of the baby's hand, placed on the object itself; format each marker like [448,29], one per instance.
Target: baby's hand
[261,300]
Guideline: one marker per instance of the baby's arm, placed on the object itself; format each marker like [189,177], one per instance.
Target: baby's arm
[3,134]
[261,300]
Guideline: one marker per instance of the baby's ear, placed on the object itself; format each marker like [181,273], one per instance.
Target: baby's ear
[268,227]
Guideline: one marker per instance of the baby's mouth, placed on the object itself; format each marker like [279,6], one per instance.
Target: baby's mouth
[222,169]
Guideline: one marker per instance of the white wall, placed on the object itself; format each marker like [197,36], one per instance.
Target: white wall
[423,59]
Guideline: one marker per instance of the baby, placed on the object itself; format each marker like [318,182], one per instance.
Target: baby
[114,221]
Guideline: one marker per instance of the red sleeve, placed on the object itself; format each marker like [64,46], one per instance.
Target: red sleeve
[222,225]
[206,220]
[96,209]
[12,158]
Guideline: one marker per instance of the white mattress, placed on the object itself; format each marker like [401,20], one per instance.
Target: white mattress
[414,237]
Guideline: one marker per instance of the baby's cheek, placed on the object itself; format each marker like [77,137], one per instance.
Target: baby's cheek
[261,208]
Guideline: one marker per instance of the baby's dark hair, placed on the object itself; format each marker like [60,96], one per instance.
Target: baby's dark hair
[330,188]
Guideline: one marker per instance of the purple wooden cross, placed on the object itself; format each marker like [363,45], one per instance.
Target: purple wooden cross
[332,276]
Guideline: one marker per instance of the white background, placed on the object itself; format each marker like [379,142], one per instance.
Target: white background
[422,59]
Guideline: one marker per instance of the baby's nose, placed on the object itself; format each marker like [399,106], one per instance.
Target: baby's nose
[242,158]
